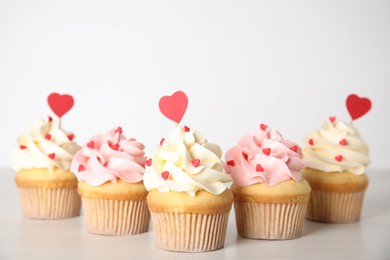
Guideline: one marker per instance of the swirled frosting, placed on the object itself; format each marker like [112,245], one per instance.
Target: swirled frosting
[336,147]
[186,162]
[108,157]
[46,145]
[263,156]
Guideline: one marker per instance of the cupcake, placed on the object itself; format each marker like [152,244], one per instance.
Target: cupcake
[335,161]
[42,158]
[188,198]
[270,196]
[110,168]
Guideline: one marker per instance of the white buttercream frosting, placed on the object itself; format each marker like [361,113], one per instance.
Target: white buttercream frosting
[175,166]
[46,145]
[336,147]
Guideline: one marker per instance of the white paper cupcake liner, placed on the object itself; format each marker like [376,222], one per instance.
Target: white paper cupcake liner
[116,217]
[269,221]
[50,203]
[189,232]
[335,207]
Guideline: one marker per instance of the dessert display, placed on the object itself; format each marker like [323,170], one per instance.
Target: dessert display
[184,189]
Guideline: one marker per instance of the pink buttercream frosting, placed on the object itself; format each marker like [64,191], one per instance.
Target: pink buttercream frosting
[264,157]
[108,157]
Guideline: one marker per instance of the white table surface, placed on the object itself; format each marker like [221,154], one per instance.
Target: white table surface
[22,238]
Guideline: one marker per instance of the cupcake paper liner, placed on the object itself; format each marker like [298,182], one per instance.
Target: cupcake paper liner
[335,207]
[50,203]
[189,232]
[269,221]
[116,217]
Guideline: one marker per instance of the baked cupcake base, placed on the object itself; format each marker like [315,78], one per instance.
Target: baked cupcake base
[116,217]
[189,232]
[335,207]
[276,212]
[115,208]
[44,203]
[186,224]
[336,197]
[48,195]
[269,221]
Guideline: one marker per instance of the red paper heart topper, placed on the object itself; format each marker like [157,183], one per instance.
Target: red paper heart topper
[60,104]
[174,107]
[357,106]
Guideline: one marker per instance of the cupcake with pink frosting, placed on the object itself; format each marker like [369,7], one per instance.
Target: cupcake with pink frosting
[110,169]
[270,196]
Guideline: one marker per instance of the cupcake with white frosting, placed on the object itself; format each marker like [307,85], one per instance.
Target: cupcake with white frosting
[188,197]
[336,158]
[42,159]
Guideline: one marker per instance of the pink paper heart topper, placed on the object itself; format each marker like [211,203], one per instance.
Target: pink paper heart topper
[175,106]
[357,106]
[60,104]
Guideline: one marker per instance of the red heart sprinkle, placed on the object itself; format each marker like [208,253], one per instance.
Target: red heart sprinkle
[70,137]
[186,128]
[245,156]
[195,162]
[311,142]
[22,147]
[148,162]
[259,168]
[332,119]
[357,106]
[81,168]
[175,106]
[118,130]
[60,104]
[263,126]
[343,142]
[267,151]
[52,156]
[49,118]
[338,158]
[48,136]
[162,141]
[294,148]
[115,147]
[231,163]
[165,175]
[91,144]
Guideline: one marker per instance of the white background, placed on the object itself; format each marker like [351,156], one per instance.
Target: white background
[289,64]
